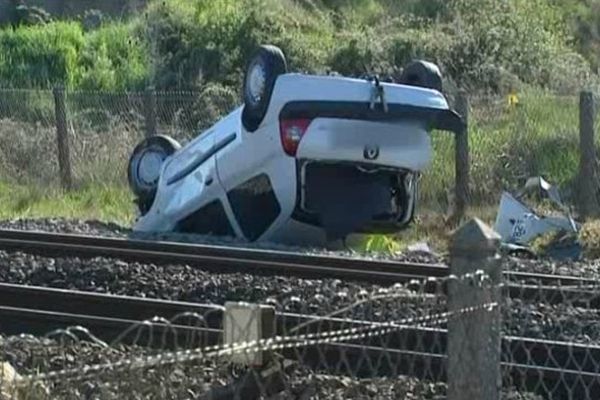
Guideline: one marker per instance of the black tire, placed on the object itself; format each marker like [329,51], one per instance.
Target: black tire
[273,62]
[423,74]
[146,191]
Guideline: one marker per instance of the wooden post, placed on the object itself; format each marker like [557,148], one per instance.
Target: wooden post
[587,179]
[461,162]
[62,138]
[150,111]
[474,336]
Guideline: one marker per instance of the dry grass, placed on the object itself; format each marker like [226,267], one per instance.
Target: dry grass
[589,236]
[430,226]
[507,146]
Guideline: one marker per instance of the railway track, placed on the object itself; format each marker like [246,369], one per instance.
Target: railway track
[236,259]
[219,258]
[38,310]
[418,351]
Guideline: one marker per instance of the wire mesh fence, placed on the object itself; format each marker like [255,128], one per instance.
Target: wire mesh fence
[386,344]
[102,130]
[509,142]
[510,138]
[417,340]
[551,339]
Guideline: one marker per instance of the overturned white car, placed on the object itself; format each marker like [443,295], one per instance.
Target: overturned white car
[305,159]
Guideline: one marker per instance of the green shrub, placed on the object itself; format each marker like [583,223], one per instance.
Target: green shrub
[59,53]
[113,59]
[41,55]
[525,37]
[196,42]
[482,45]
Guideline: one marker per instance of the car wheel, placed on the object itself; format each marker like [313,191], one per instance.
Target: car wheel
[259,81]
[145,165]
[422,73]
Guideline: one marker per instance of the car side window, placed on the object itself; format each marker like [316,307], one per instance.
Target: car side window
[254,205]
[211,219]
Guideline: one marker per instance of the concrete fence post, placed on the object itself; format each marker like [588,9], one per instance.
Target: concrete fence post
[150,111]
[587,179]
[461,163]
[474,336]
[249,323]
[62,138]
[245,322]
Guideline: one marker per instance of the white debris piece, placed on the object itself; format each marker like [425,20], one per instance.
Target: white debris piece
[516,223]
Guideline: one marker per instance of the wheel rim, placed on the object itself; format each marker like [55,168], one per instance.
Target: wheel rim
[256,82]
[147,169]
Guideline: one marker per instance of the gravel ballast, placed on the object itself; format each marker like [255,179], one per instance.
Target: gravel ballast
[315,296]
[193,380]
[97,228]
[60,225]
[585,269]
[318,296]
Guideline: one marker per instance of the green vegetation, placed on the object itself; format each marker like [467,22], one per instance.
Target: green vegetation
[483,45]
[97,202]
[510,144]
[60,53]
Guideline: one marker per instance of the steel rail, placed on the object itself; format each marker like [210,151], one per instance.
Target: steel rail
[158,334]
[550,279]
[581,292]
[38,310]
[220,258]
[238,259]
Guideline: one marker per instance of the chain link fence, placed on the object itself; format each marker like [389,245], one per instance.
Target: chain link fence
[101,128]
[510,139]
[484,332]
[387,344]
[551,339]
[395,343]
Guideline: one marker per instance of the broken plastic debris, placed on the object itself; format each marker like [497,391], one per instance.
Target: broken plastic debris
[518,224]
[419,247]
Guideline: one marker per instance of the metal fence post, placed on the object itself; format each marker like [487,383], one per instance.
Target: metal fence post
[461,163]
[150,111]
[474,336]
[62,137]
[588,187]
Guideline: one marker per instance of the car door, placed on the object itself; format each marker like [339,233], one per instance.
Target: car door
[258,178]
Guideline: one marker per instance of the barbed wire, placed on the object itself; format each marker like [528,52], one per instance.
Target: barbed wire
[544,349]
[324,335]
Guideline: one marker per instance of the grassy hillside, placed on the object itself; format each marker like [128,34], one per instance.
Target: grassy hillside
[482,45]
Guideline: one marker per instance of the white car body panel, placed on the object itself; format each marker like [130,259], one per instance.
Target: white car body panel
[237,155]
[404,145]
[291,87]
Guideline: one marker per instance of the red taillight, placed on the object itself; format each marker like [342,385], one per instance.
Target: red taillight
[291,131]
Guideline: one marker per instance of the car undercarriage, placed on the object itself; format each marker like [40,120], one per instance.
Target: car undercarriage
[343,198]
